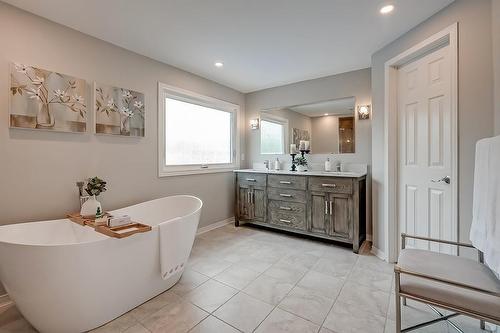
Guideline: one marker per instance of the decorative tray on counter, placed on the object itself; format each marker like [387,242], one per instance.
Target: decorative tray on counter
[120,231]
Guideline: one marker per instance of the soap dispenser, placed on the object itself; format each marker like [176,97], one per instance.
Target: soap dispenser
[328,165]
[277,164]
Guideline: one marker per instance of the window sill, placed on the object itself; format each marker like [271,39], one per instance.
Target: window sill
[193,172]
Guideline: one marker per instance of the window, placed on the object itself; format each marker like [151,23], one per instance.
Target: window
[197,134]
[273,133]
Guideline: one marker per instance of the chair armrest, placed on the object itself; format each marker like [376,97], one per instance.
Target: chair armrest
[404,236]
[398,270]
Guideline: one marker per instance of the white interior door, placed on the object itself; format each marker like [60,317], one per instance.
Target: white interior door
[426,144]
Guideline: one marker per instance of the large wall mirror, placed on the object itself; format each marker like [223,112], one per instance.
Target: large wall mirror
[329,126]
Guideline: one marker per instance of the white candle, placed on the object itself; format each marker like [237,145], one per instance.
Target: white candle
[307,145]
[302,145]
[293,148]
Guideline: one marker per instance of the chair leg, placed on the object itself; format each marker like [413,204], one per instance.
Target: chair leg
[398,305]
[482,324]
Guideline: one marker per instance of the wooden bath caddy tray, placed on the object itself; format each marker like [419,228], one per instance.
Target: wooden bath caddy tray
[77,218]
[120,231]
[123,231]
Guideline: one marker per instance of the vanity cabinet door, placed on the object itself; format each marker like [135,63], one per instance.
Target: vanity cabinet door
[251,203]
[243,202]
[319,220]
[259,203]
[340,210]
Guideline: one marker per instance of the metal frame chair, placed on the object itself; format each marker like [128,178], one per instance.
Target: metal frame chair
[431,303]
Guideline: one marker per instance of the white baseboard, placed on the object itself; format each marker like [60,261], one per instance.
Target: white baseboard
[215,225]
[380,254]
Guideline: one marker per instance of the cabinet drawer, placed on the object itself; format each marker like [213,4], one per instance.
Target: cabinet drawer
[285,181]
[288,214]
[257,179]
[331,184]
[286,194]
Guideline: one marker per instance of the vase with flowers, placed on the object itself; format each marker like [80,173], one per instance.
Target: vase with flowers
[301,163]
[95,186]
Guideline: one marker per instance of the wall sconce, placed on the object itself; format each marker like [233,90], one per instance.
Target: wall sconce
[364,112]
[254,124]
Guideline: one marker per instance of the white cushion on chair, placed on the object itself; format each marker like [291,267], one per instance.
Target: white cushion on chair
[457,269]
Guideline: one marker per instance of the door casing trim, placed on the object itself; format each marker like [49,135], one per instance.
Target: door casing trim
[447,36]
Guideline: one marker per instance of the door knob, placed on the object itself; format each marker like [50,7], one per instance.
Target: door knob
[445,179]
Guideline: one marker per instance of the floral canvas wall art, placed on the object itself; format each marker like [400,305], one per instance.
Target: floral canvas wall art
[300,134]
[46,100]
[118,111]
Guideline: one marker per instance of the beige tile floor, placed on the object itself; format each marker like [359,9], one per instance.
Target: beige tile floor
[251,280]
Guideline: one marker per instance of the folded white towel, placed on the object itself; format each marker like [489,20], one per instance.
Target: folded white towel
[485,228]
[174,249]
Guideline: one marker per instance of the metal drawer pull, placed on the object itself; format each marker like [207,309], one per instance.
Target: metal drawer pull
[251,180]
[285,208]
[329,185]
[326,207]
[331,207]
[285,195]
[285,221]
[285,182]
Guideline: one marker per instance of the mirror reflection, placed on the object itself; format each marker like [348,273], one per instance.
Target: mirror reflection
[328,126]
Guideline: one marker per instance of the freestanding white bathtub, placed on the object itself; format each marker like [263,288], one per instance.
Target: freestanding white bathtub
[66,278]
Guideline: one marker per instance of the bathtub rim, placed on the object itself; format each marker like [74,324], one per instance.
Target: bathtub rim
[102,237]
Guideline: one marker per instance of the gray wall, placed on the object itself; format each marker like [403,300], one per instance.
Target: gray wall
[475,111]
[355,83]
[39,169]
[495,29]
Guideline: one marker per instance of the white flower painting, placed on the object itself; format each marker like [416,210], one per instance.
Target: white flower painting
[46,100]
[118,111]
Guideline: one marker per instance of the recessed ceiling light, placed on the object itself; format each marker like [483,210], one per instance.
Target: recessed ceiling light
[219,64]
[326,114]
[386,9]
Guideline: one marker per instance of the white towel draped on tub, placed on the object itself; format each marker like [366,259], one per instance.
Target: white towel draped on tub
[485,229]
[172,248]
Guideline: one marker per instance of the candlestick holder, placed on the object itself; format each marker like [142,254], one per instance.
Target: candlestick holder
[304,151]
[294,168]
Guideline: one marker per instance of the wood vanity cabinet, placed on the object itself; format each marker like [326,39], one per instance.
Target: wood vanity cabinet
[326,207]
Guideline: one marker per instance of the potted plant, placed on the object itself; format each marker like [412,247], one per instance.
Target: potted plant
[95,186]
[301,163]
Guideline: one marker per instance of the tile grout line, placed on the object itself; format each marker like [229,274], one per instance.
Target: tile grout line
[276,306]
[336,298]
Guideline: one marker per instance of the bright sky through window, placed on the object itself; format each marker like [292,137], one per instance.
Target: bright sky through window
[196,134]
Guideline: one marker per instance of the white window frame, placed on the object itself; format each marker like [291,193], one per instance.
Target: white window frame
[277,120]
[167,91]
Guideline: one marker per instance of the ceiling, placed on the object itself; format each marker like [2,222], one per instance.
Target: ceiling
[333,107]
[262,43]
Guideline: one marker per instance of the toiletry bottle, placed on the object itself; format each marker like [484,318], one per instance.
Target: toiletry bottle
[328,165]
[277,164]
